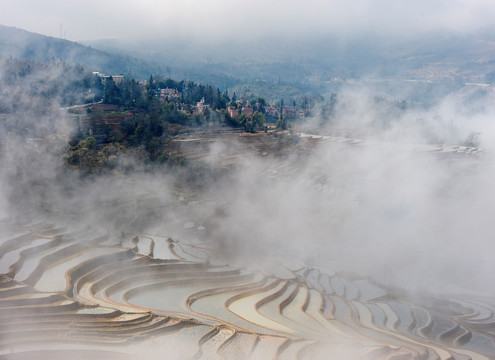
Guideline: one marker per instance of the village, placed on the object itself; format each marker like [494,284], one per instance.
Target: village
[234,106]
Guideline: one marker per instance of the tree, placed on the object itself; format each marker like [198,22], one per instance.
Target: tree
[97,87]
[153,147]
[261,104]
[111,93]
[282,122]
[206,114]
[226,96]
[151,82]
[151,88]
[259,120]
[473,139]
[85,156]
[243,119]
[251,123]
[131,93]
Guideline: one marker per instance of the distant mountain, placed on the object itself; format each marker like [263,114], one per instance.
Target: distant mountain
[25,45]
[422,66]
[419,68]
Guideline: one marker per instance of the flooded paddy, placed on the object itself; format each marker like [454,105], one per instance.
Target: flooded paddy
[226,311]
[195,286]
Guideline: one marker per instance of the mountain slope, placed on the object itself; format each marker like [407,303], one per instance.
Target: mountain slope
[22,44]
[273,67]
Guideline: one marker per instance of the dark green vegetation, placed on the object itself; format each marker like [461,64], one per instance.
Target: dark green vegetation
[141,118]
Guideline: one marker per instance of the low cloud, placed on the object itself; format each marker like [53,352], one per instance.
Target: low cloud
[245,19]
[387,194]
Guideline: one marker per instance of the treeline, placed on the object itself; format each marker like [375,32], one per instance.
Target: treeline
[179,102]
[150,107]
[130,93]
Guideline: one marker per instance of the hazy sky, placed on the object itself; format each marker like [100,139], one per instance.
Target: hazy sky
[103,19]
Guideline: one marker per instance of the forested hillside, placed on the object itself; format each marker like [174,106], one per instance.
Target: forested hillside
[25,45]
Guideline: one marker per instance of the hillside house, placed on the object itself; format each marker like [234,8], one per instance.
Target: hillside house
[271,111]
[248,111]
[201,107]
[118,79]
[169,94]
[233,112]
[289,111]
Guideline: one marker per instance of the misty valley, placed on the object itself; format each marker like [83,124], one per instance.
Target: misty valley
[147,213]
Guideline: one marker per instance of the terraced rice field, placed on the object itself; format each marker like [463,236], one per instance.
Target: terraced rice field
[86,294]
